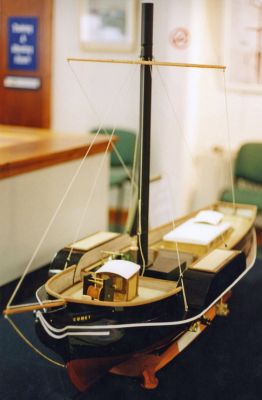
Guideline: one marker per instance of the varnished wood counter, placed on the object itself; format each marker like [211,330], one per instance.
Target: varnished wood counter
[27,149]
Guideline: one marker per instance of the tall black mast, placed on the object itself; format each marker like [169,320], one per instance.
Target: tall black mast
[145,129]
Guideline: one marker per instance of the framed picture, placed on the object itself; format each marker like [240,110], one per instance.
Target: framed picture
[108,25]
[243,44]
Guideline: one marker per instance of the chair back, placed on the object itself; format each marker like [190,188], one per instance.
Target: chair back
[249,162]
[125,145]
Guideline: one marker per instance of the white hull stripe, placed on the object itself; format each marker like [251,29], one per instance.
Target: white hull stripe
[51,333]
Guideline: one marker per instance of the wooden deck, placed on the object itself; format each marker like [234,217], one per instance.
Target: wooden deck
[149,290]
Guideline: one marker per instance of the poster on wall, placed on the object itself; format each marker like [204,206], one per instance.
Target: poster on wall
[22,43]
[243,44]
[108,25]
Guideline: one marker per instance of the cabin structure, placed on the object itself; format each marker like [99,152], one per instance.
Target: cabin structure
[116,280]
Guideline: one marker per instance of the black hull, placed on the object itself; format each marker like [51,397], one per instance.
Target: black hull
[75,331]
[112,342]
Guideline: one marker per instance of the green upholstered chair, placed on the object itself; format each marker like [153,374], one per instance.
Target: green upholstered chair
[125,146]
[248,176]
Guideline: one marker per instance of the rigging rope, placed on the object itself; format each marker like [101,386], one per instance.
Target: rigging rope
[132,207]
[178,255]
[229,153]
[93,188]
[170,194]
[104,157]
[139,238]
[88,201]
[50,223]
[101,128]
[30,344]
[180,129]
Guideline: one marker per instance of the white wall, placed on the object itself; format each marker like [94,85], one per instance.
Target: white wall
[243,107]
[224,118]
[188,110]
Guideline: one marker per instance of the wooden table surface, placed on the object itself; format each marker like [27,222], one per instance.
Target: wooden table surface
[27,149]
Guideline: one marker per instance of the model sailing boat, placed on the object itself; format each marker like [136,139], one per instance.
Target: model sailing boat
[129,305]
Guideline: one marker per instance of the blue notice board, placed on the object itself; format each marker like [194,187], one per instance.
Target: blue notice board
[22,41]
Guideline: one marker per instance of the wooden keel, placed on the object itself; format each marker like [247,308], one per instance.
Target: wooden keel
[84,373]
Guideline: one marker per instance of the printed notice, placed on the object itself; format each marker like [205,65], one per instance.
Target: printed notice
[22,39]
